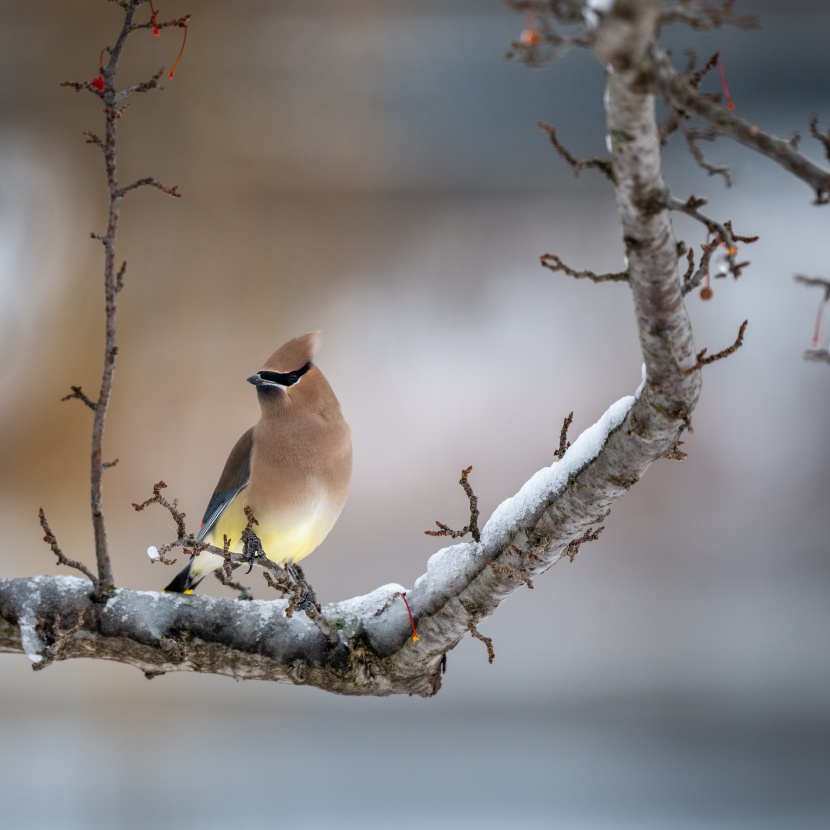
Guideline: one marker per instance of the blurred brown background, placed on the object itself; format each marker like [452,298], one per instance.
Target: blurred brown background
[374,169]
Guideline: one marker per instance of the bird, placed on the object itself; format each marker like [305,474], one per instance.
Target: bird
[292,468]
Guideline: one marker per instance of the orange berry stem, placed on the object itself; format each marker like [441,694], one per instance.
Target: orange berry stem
[181,52]
[415,636]
[725,87]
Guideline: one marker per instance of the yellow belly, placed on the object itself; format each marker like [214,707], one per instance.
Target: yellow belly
[285,538]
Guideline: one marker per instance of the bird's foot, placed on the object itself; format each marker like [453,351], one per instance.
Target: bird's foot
[304,596]
[252,549]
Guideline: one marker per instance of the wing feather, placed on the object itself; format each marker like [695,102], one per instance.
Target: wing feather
[234,478]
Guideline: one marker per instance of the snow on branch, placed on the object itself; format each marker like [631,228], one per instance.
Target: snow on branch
[371,650]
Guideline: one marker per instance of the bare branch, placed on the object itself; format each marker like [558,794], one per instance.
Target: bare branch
[680,95]
[706,16]
[541,41]
[817,355]
[50,540]
[185,540]
[225,573]
[472,527]
[702,360]
[822,137]
[148,181]
[821,282]
[92,138]
[691,207]
[553,263]
[152,84]
[578,165]
[488,642]
[692,278]
[77,393]
[563,437]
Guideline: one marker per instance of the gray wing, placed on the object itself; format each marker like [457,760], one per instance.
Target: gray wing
[234,478]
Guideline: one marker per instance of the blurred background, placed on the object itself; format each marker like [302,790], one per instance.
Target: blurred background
[374,169]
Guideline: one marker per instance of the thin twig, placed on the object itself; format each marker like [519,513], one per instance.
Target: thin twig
[225,573]
[563,437]
[817,355]
[50,540]
[691,207]
[488,642]
[553,263]
[822,282]
[149,181]
[185,540]
[590,535]
[723,231]
[472,527]
[703,360]
[693,280]
[703,17]
[822,137]
[578,165]
[78,393]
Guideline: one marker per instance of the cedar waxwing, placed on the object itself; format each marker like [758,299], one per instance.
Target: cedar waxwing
[292,469]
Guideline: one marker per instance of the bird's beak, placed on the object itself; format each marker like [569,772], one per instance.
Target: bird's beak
[259,381]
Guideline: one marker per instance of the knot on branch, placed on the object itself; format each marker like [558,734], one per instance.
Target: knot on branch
[59,641]
[528,559]
[590,535]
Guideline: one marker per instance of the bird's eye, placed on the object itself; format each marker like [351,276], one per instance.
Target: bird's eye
[285,378]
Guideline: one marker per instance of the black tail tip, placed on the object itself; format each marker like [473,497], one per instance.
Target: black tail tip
[183,583]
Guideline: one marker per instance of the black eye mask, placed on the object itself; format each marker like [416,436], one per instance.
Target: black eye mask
[282,378]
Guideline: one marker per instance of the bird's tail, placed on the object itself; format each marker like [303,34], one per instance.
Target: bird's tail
[185,581]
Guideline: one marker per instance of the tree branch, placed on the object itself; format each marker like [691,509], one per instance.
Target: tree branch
[684,97]
[104,88]
[363,645]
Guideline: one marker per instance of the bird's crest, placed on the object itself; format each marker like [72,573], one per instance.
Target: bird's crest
[294,354]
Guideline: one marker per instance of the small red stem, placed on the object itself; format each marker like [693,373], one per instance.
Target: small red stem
[181,52]
[415,636]
[725,87]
